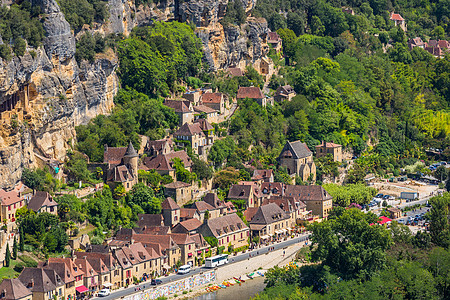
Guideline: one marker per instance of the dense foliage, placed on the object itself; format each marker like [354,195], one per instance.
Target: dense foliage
[357,260]
[80,12]
[17,24]
[351,193]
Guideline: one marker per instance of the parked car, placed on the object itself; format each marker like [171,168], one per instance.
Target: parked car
[156,281]
[184,269]
[104,293]
[379,196]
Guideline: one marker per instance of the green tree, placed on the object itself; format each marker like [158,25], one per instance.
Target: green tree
[439,222]
[438,33]
[5,52]
[15,248]
[201,169]
[7,256]
[349,245]
[21,242]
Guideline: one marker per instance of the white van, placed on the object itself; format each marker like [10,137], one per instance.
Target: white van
[184,269]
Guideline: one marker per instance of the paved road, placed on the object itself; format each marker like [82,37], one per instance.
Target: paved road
[232,259]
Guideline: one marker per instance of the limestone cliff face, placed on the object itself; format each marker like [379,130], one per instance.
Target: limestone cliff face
[49,94]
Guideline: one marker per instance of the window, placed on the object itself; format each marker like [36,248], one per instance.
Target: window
[106,277]
[241,235]
[136,269]
[189,247]
[9,207]
[228,239]
[145,265]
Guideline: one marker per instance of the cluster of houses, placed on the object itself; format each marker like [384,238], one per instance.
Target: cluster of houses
[436,47]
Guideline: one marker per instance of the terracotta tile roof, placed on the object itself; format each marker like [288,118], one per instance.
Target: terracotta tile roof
[396,17]
[8,198]
[307,192]
[159,163]
[202,206]
[296,150]
[150,220]
[187,213]
[273,37]
[120,174]
[168,203]
[416,41]
[122,258]
[268,214]
[180,106]
[235,72]
[262,174]
[84,265]
[285,203]
[187,226]
[114,155]
[13,289]
[240,191]
[177,185]
[212,97]
[225,224]
[276,188]
[70,264]
[165,241]
[251,92]
[189,130]
[328,145]
[101,262]
[182,238]
[199,240]
[443,44]
[157,230]
[41,199]
[204,109]
[230,207]
[249,213]
[140,251]
[284,90]
[159,145]
[40,280]
[181,154]
[433,43]
[204,124]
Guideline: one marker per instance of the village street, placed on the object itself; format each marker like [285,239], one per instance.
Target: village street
[237,265]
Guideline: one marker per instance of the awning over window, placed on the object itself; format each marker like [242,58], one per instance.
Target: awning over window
[265,237]
[81,289]
[107,284]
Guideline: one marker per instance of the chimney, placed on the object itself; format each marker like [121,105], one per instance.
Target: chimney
[32,282]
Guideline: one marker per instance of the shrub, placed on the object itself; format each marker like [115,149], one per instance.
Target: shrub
[28,261]
[19,267]
[5,52]
[19,46]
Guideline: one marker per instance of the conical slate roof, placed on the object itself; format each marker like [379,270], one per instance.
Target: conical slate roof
[131,152]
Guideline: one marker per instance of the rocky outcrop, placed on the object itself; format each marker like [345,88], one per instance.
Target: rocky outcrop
[124,15]
[234,45]
[48,95]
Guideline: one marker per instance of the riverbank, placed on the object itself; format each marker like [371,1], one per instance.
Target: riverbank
[237,269]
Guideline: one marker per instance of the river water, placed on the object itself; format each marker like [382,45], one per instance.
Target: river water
[247,290]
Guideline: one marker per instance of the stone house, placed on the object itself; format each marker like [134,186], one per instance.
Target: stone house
[235,72]
[416,42]
[126,267]
[10,202]
[180,191]
[209,113]
[296,209]
[170,212]
[270,221]
[91,277]
[329,148]
[284,93]
[70,274]
[398,21]
[252,92]
[183,108]
[249,193]
[187,247]
[169,249]
[394,212]
[155,148]
[263,175]
[163,163]
[122,166]
[189,226]
[193,96]
[216,101]
[275,41]
[43,202]
[298,160]
[269,189]
[316,198]
[195,135]
[229,229]
[106,265]
[189,213]
[44,284]
[202,208]
[14,289]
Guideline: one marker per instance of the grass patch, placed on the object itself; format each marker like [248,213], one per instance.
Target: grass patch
[8,272]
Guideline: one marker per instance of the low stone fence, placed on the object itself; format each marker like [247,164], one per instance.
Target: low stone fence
[176,287]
